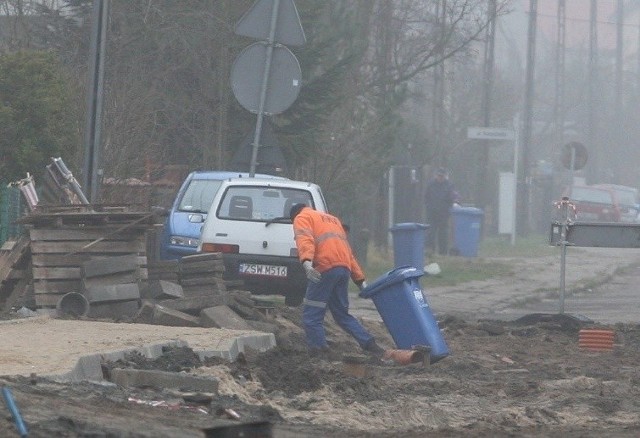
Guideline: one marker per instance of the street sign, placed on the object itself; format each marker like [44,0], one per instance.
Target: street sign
[579,153]
[266,76]
[255,23]
[283,83]
[490,133]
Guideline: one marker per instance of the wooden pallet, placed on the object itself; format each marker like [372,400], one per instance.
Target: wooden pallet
[58,254]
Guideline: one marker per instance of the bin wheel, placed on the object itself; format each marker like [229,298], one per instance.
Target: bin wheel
[293,298]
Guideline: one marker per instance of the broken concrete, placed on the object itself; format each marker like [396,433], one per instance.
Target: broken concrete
[163,379]
[222,317]
[165,316]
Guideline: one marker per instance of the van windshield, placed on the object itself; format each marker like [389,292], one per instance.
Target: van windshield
[199,195]
[260,203]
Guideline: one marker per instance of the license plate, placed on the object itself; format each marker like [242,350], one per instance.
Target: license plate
[265,270]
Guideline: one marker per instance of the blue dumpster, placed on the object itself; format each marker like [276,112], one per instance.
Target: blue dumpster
[405,311]
[408,244]
[466,229]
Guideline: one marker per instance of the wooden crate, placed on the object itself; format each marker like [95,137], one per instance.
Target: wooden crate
[61,242]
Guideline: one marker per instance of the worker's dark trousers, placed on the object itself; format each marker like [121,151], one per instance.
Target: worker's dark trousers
[331,292]
[438,234]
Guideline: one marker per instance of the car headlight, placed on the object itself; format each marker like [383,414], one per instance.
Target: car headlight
[184,241]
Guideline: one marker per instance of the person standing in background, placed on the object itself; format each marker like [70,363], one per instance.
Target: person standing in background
[439,198]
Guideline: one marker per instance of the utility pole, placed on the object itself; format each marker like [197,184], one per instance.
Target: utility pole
[95,94]
[523,177]
[558,108]
[592,129]
[619,137]
[438,83]
[489,52]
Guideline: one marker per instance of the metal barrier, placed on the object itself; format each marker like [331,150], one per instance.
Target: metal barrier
[11,205]
[566,232]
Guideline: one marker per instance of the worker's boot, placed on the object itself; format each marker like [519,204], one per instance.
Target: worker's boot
[374,349]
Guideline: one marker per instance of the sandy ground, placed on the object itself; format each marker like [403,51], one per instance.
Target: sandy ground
[50,346]
[504,377]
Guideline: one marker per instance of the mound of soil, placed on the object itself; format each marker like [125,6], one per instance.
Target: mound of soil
[528,377]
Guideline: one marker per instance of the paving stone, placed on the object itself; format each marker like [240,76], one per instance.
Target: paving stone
[109,265]
[165,316]
[222,317]
[195,304]
[114,310]
[113,292]
[163,379]
[163,289]
[145,313]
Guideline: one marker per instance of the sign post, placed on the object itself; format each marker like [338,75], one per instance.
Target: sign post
[504,134]
[267,63]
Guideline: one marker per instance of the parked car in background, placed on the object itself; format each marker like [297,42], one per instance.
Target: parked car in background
[181,234]
[594,204]
[627,198]
[249,223]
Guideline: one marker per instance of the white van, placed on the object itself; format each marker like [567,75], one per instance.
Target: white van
[249,223]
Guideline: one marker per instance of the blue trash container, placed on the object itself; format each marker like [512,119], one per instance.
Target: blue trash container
[405,311]
[408,244]
[466,229]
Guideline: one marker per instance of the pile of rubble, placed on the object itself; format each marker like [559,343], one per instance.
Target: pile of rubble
[191,292]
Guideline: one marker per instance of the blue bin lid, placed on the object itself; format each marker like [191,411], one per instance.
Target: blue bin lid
[408,226]
[469,211]
[392,277]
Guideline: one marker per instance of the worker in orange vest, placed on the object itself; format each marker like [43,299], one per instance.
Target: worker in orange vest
[328,263]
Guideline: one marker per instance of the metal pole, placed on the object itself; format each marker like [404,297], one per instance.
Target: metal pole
[564,205]
[528,118]
[516,157]
[95,95]
[265,82]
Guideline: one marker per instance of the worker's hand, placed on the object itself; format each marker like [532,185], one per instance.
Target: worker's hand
[361,284]
[312,274]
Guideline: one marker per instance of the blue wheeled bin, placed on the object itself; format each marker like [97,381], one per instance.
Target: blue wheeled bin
[466,228]
[408,244]
[405,311]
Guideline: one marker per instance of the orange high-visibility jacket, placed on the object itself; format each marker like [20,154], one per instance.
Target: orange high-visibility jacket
[321,238]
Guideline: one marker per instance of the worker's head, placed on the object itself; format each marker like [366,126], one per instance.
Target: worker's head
[295,209]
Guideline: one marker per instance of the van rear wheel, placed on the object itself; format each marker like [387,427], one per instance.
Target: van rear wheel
[293,298]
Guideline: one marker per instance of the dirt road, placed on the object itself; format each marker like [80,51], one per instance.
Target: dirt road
[504,377]
[535,280]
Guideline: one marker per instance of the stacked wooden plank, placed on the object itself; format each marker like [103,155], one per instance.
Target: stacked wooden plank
[111,286]
[15,274]
[201,274]
[62,241]
[163,270]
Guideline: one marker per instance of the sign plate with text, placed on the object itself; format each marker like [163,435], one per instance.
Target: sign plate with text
[490,134]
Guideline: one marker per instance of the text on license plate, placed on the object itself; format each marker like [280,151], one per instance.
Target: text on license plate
[268,270]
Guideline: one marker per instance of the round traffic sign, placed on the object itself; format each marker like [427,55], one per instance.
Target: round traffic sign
[283,84]
[579,152]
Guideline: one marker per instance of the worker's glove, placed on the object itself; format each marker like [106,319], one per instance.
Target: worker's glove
[312,273]
[361,284]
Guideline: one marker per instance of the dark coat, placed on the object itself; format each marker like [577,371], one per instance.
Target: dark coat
[439,198]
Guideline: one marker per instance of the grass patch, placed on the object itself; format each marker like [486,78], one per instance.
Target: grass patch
[534,245]
[456,270]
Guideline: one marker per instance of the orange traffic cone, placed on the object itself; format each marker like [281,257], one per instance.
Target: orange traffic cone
[596,339]
[404,357]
